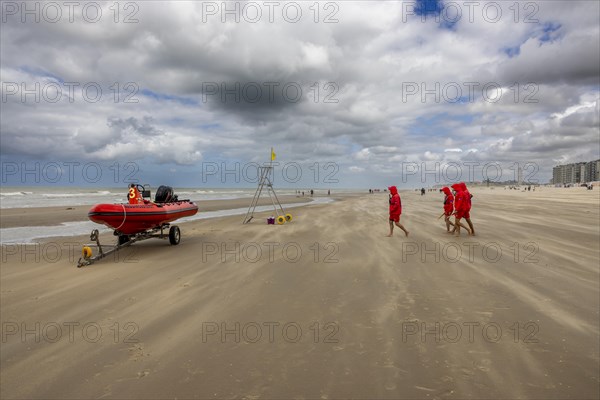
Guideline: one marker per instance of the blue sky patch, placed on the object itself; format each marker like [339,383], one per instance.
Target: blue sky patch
[428,7]
[167,97]
[550,32]
[37,71]
[512,51]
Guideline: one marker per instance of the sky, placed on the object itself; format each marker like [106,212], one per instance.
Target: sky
[349,94]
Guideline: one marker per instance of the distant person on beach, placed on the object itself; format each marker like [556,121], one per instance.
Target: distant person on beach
[422,191]
[448,207]
[395,210]
[461,207]
[311,193]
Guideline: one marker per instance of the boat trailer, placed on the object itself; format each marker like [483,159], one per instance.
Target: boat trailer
[87,258]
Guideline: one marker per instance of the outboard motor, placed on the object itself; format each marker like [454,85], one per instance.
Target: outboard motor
[164,194]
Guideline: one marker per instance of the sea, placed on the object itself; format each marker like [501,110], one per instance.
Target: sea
[26,197]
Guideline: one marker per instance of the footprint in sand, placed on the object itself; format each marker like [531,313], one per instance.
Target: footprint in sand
[143,373]
[137,352]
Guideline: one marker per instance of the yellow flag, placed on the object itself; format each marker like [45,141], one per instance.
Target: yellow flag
[272,155]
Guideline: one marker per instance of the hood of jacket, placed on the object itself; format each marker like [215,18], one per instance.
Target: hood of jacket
[393,190]
[446,191]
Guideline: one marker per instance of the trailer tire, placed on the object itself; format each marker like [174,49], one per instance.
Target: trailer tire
[174,235]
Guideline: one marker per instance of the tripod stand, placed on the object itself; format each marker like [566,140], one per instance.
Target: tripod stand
[265,182]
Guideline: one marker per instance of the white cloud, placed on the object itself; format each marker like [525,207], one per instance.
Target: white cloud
[429,156]
[354,168]
[363,155]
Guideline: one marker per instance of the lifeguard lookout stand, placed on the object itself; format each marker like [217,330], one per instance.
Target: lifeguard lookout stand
[265,184]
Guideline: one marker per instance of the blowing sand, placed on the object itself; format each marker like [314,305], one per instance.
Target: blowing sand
[323,307]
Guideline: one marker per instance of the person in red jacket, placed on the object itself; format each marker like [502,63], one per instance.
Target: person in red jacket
[448,207]
[467,216]
[461,207]
[395,210]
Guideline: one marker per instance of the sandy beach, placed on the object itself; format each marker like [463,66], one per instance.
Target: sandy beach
[324,307]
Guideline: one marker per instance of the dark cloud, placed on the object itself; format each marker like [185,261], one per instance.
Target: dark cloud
[572,59]
[143,127]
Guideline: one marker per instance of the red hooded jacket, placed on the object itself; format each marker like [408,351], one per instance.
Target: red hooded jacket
[459,198]
[462,201]
[448,200]
[468,196]
[395,202]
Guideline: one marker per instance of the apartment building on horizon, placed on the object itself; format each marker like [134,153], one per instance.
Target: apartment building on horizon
[581,172]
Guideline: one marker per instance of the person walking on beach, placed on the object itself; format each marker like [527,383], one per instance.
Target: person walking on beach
[468,196]
[459,205]
[395,211]
[448,207]
[462,207]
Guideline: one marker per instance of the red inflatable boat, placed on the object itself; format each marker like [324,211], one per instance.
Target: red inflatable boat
[140,215]
[139,219]
[129,219]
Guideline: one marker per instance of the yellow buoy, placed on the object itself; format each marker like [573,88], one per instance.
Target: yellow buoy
[288,217]
[86,251]
[281,220]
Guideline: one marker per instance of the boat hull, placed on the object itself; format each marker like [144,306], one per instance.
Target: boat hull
[129,219]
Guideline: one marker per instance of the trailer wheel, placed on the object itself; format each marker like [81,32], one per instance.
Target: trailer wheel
[174,235]
[123,239]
